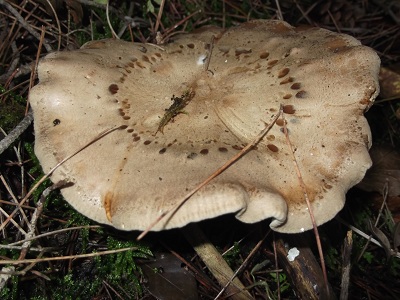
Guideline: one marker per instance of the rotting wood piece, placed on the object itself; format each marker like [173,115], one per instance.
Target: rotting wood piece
[215,262]
[304,272]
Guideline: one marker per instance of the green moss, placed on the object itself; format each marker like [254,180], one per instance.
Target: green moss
[12,109]
[10,292]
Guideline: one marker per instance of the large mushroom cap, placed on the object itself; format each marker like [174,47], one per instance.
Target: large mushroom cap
[129,177]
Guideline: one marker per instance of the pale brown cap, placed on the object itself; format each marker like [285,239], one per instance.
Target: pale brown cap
[128,178]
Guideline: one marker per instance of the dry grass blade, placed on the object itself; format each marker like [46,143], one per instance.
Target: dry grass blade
[215,263]
[6,142]
[369,238]
[50,233]
[25,24]
[159,15]
[101,135]
[306,198]
[244,264]
[38,260]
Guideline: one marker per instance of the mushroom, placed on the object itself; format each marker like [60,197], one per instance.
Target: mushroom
[184,108]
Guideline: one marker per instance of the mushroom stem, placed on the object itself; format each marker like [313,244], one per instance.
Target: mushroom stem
[215,262]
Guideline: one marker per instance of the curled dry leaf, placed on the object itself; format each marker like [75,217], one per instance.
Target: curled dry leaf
[236,79]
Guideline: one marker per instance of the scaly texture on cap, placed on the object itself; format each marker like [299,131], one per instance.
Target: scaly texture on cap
[183,122]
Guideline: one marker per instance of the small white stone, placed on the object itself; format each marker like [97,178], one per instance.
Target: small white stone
[293,253]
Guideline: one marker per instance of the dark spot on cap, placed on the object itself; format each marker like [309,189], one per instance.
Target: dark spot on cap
[130,130]
[287,96]
[222,149]
[126,117]
[140,65]
[145,58]
[192,155]
[301,94]
[113,88]
[287,80]
[264,55]
[272,62]
[204,151]
[240,51]
[56,122]
[289,109]
[123,127]
[136,138]
[272,147]
[279,122]
[283,72]
[191,46]
[295,86]
[147,142]
[271,137]
[162,151]
[236,147]
[157,54]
